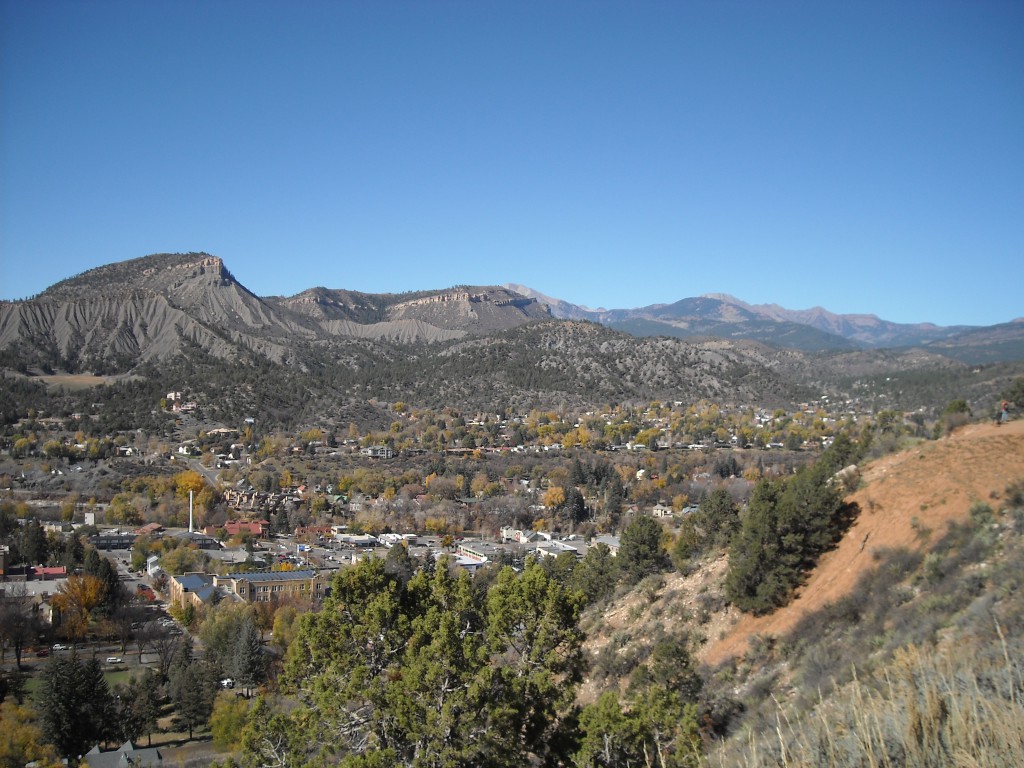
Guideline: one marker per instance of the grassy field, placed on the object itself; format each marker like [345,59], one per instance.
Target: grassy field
[113,676]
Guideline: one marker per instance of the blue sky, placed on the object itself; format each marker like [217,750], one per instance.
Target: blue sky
[861,156]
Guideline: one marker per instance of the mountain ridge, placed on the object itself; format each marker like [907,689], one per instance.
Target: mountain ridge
[484,345]
[815,329]
[151,307]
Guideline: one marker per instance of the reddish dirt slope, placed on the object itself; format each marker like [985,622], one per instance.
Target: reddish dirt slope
[934,482]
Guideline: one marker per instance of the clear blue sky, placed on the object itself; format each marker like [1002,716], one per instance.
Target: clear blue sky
[862,156]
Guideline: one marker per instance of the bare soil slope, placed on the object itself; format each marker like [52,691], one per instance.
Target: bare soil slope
[924,487]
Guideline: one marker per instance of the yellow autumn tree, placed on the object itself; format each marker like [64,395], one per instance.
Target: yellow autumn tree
[554,497]
[186,481]
[75,599]
[21,738]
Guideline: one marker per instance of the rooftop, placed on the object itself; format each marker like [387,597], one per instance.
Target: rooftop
[272,575]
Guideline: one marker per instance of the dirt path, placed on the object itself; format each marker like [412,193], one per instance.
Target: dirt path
[932,484]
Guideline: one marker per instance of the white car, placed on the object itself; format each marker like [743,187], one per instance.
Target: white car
[114,660]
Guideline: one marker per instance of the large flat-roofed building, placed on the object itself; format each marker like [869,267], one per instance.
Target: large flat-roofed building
[274,585]
[252,587]
[113,540]
[199,589]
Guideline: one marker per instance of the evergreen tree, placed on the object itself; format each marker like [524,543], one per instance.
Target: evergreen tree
[75,705]
[73,552]
[595,575]
[426,674]
[91,561]
[575,507]
[58,703]
[788,525]
[250,662]
[640,550]
[399,564]
[180,656]
[98,710]
[718,517]
[614,496]
[657,725]
[577,474]
[609,737]
[32,545]
[145,705]
[193,689]
[755,554]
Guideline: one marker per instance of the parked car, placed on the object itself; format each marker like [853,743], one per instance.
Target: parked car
[114,660]
[227,683]
[61,647]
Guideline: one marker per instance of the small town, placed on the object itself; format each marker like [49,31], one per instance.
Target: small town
[152,556]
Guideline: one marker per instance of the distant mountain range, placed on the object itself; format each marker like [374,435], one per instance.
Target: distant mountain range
[813,330]
[185,318]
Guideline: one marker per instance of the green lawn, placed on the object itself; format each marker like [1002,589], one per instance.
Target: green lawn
[33,677]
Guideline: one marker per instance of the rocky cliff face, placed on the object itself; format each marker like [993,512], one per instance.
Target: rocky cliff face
[471,310]
[119,315]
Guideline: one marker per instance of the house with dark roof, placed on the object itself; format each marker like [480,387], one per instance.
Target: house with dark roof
[124,756]
[198,540]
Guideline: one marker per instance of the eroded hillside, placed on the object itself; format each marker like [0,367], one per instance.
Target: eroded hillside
[902,498]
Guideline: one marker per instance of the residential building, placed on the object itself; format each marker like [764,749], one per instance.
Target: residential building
[257,528]
[612,542]
[661,511]
[126,755]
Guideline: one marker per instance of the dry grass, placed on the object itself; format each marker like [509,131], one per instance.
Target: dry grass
[930,707]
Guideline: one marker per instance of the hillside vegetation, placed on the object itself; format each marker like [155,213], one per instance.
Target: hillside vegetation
[902,647]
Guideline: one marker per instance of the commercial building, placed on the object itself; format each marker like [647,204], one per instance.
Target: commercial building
[253,587]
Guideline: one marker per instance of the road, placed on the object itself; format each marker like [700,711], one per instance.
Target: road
[210,475]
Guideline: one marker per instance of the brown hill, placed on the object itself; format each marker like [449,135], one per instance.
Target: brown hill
[902,495]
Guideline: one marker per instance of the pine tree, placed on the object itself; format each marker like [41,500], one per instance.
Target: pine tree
[193,689]
[755,552]
[146,704]
[57,702]
[250,662]
[97,709]
[640,552]
[788,525]
[427,674]
[595,575]
[75,705]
